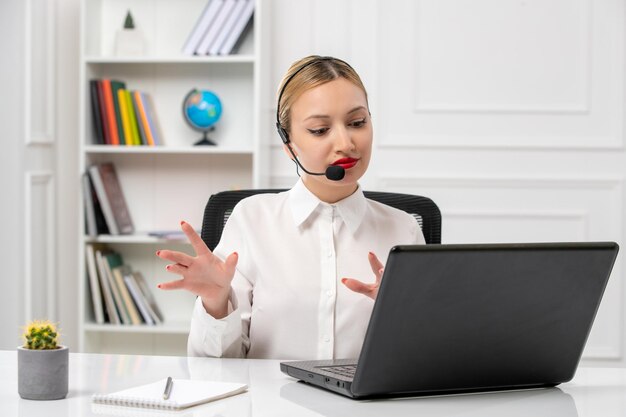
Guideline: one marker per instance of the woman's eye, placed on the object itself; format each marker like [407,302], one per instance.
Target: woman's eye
[358,123]
[318,132]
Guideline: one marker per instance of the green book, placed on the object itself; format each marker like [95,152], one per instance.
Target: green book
[118,85]
[133,119]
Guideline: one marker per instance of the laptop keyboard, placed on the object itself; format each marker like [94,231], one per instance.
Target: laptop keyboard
[346,370]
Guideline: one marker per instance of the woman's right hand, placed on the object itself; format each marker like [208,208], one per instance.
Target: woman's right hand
[205,274]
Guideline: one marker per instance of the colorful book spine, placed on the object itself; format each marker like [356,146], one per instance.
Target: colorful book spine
[133,118]
[115,87]
[95,113]
[110,112]
[143,118]
[103,115]
[121,97]
[140,125]
[153,122]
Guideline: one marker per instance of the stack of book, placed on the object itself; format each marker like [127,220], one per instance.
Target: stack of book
[106,211]
[220,28]
[121,116]
[119,295]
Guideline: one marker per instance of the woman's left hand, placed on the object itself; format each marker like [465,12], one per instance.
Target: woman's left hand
[370,290]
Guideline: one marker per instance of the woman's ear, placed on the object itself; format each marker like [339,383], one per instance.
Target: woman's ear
[286,149]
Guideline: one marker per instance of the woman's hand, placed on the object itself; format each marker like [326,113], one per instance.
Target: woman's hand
[370,290]
[205,274]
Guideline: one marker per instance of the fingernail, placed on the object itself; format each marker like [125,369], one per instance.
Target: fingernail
[167,267]
[158,252]
[371,253]
[343,280]
[159,286]
[182,222]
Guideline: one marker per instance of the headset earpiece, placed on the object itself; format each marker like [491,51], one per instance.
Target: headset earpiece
[282,133]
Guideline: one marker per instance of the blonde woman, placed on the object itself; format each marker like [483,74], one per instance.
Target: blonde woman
[281,282]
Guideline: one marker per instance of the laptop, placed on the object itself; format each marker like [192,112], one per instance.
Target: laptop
[465,318]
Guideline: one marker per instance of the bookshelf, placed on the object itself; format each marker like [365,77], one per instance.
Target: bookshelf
[165,184]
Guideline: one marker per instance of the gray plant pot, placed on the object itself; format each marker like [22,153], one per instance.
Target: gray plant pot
[42,374]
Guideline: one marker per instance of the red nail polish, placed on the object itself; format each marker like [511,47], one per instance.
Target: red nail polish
[158,252]
[182,222]
[167,267]
[159,286]
[343,280]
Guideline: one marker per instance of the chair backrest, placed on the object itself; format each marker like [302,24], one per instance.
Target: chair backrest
[220,206]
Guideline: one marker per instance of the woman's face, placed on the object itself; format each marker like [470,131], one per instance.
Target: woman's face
[331,125]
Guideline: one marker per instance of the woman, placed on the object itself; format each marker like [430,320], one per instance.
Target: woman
[276,286]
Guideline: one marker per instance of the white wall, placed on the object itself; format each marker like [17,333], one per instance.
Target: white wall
[508,114]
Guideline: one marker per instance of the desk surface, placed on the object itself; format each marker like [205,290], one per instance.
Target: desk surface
[593,392]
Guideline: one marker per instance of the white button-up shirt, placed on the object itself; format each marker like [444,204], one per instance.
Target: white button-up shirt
[288,301]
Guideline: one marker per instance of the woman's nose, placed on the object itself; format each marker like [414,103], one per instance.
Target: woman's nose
[343,141]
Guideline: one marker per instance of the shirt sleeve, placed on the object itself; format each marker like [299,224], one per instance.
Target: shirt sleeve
[227,337]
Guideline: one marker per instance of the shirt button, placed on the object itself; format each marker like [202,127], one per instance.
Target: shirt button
[329,293]
[326,339]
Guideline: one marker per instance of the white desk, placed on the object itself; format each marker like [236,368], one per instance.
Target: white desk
[593,392]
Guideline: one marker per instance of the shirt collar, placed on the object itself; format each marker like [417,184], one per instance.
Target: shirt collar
[303,203]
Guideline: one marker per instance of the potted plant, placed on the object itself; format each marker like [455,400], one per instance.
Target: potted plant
[42,364]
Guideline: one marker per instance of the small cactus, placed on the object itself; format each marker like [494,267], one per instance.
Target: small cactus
[41,335]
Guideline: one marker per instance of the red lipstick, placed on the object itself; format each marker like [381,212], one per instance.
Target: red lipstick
[346,163]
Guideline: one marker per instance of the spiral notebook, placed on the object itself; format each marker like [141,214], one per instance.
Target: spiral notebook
[185,393]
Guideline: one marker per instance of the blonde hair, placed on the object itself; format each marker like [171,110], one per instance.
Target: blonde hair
[307,73]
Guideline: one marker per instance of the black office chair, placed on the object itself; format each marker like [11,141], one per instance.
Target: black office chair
[220,206]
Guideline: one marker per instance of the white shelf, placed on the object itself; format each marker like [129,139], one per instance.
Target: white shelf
[123,149]
[165,328]
[227,59]
[165,184]
[136,238]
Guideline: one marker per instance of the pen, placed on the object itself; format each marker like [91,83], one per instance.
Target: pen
[168,388]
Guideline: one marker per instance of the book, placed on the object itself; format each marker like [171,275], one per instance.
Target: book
[185,393]
[121,98]
[103,114]
[153,121]
[114,260]
[201,27]
[91,227]
[224,9]
[94,284]
[109,302]
[153,308]
[95,113]
[138,298]
[243,24]
[136,140]
[115,87]
[111,198]
[101,224]
[143,117]
[227,27]
[111,119]
[131,308]
[140,118]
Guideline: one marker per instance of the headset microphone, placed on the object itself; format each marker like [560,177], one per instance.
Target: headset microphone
[333,172]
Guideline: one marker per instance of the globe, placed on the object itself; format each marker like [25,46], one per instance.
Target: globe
[201,110]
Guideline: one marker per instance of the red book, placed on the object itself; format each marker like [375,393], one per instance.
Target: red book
[103,114]
[110,112]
